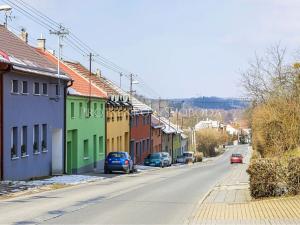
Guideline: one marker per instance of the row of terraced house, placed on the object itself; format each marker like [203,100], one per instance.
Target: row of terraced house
[66,123]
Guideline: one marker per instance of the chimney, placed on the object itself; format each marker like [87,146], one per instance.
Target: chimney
[98,72]
[24,35]
[41,43]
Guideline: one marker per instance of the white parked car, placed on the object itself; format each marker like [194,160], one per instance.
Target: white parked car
[180,159]
[189,157]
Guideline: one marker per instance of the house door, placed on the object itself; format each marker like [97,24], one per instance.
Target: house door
[57,152]
[95,151]
[69,155]
[140,155]
[132,150]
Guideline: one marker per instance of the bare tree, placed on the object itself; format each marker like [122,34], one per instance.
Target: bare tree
[269,76]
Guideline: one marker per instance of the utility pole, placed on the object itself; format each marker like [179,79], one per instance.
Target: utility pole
[121,80]
[159,102]
[177,120]
[131,90]
[61,33]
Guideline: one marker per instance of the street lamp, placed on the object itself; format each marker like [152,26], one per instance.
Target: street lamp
[7,12]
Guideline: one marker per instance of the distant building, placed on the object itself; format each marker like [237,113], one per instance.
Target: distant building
[231,130]
[204,124]
[156,134]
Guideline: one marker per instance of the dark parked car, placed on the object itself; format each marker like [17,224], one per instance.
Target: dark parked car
[118,161]
[167,158]
[236,158]
[155,159]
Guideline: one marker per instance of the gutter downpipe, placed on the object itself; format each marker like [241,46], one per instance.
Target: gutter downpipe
[65,124]
[1,120]
[1,125]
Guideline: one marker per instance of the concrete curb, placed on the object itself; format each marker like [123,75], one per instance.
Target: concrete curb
[191,219]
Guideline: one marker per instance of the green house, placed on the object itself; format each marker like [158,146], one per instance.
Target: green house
[176,145]
[85,134]
[85,120]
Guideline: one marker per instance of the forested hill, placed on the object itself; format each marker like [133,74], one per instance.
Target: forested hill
[211,103]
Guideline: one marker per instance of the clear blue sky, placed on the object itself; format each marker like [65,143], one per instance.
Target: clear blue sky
[180,48]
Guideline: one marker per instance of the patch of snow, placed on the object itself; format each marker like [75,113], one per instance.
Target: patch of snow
[66,179]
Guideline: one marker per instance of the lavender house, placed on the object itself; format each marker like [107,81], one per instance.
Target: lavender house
[33,108]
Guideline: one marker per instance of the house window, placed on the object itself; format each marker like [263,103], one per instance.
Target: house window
[72,110]
[44,136]
[24,87]
[86,149]
[45,89]
[148,143]
[36,138]
[136,120]
[24,141]
[132,121]
[14,142]
[80,109]
[36,88]
[88,109]
[95,109]
[144,120]
[144,145]
[14,86]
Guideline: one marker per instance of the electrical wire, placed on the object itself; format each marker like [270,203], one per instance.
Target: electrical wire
[72,40]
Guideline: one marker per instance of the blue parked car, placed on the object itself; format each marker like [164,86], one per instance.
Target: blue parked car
[118,161]
[155,159]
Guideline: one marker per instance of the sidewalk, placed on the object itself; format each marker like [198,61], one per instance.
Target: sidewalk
[230,203]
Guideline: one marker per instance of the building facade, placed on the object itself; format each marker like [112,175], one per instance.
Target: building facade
[117,124]
[85,134]
[85,121]
[117,110]
[156,134]
[33,113]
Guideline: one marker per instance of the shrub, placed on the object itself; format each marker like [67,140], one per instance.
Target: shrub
[267,178]
[198,156]
[293,175]
[208,140]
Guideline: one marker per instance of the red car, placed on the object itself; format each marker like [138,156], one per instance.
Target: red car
[236,158]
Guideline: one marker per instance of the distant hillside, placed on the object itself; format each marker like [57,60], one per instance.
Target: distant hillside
[210,103]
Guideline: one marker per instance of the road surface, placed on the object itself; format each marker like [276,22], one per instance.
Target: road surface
[165,196]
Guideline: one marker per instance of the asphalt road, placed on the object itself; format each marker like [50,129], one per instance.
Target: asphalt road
[165,196]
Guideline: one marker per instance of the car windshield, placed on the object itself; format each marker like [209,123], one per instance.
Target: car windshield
[236,155]
[117,155]
[154,156]
[187,154]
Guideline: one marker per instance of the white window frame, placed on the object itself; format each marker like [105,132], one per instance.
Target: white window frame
[34,88]
[43,89]
[25,93]
[12,87]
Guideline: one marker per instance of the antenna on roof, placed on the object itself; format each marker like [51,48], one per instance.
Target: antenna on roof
[7,13]
[61,33]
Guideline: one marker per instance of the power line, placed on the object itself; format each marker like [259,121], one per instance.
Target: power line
[72,40]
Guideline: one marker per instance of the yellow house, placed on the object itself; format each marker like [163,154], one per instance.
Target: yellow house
[117,124]
[117,110]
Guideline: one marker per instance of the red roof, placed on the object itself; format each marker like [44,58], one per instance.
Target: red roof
[18,50]
[81,84]
[97,80]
